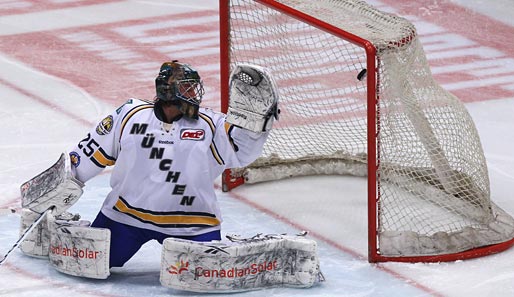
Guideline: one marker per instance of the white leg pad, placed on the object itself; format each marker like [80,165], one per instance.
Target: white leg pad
[37,242]
[217,267]
[79,250]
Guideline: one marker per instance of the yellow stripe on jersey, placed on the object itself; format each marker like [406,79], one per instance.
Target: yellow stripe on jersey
[101,159]
[209,121]
[228,130]
[227,127]
[214,150]
[177,219]
[216,155]
[132,112]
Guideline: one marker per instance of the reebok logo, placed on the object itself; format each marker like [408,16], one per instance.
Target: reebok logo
[215,249]
[238,114]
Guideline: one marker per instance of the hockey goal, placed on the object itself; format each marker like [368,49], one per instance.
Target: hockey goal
[357,97]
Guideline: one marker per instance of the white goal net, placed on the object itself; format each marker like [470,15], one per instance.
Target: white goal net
[346,109]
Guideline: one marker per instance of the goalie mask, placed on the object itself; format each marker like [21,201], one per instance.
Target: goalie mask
[179,84]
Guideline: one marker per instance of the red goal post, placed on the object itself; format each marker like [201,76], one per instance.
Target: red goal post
[415,135]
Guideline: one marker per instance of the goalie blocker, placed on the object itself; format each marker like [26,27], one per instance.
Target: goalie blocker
[253,103]
[55,187]
[251,264]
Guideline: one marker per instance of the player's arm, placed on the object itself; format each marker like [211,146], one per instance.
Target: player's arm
[60,186]
[245,145]
[97,149]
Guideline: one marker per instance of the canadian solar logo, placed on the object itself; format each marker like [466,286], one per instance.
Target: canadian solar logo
[178,268]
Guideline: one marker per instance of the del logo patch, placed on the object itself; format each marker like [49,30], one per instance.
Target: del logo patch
[105,126]
[192,134]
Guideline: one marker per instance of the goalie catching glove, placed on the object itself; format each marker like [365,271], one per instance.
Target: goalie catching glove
[253,103]
[54,188]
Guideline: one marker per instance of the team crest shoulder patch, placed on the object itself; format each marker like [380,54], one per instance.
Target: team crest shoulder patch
[75,159]
[192,134]
[105,126]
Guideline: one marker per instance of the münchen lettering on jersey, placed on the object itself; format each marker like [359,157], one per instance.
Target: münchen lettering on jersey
[163,174]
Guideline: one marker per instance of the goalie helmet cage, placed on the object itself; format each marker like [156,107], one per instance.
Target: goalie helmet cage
[357,97]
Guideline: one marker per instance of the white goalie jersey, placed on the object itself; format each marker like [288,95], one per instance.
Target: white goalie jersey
[164,173]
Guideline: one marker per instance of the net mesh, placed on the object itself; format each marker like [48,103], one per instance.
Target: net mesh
[432,178]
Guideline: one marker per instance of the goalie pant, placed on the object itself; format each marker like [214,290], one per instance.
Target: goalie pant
[163,176]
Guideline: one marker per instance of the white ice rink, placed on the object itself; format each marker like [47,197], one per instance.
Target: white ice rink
[65,64]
